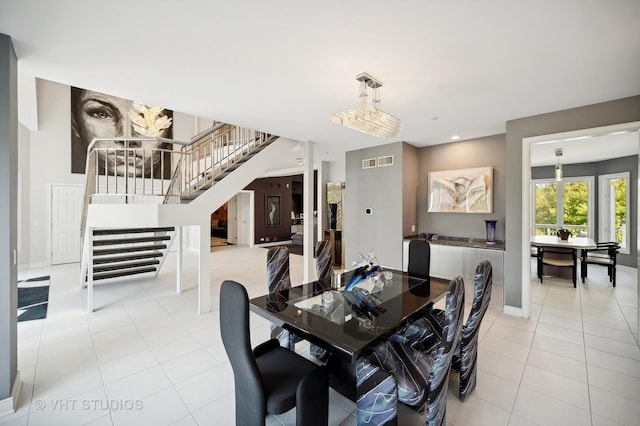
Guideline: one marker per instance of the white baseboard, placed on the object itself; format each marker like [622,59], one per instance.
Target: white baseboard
[9,405]
[627,269]
[512,310]
[27,266]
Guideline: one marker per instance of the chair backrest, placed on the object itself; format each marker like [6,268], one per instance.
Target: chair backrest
[557,253]
[419,258]
[234,329]
[323,260]
[483,284]
[278,269]
[451,331]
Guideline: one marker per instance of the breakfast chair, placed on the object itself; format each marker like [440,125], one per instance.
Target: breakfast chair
[270,379]
[421,365]
[605,254]
[558,257]
[278,280]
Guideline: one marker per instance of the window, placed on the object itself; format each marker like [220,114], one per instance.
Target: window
[566,204]
[613,196]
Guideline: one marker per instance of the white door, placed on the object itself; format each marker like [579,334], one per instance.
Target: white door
[244,214]
[66,219]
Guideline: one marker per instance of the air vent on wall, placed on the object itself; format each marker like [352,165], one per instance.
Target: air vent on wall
[369,163]
[385,161]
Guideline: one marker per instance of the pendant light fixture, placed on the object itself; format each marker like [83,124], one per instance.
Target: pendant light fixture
[558,165]
[368,118]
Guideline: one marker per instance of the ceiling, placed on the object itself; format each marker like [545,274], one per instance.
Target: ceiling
[461,67]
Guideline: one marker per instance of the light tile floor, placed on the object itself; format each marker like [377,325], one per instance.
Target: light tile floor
[145,357]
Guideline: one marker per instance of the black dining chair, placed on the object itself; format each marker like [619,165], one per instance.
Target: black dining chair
[604,254]
[420,359]
[419,258]
[278,279]
[268,379]
[558,257]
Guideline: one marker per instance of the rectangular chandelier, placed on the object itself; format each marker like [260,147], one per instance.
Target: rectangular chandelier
[368,118]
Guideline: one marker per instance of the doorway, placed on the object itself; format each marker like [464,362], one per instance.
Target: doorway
[540,141]
[241,226]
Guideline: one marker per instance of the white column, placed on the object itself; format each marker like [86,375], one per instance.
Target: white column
[323,178]
[204,268]
[307,208]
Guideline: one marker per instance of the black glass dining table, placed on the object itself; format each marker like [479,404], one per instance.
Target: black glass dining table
[349,325]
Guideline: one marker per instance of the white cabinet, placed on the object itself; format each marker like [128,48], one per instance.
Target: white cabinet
[450,261]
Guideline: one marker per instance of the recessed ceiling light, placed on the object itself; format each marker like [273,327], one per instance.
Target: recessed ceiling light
[454,137]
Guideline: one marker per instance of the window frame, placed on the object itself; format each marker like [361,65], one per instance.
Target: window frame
[603,182]
[560,201]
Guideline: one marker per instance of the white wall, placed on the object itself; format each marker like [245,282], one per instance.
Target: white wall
[336,171]
[24,142]
[49,154]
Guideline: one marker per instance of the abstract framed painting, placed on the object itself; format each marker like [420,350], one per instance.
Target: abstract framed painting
[461,191]
[272,210]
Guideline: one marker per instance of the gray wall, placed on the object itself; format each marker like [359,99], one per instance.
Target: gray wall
[380,189]
[603,114]
[481,152]
[410,180]
[8,204]
[616,165]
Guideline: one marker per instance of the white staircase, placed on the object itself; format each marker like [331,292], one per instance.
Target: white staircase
[129,222]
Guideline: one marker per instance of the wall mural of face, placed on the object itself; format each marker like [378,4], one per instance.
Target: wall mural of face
[98,115]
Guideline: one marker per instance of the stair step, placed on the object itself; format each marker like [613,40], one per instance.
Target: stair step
[124,273]
[124,266]
[112,241]
[118,250]
[115,259]
[119,231]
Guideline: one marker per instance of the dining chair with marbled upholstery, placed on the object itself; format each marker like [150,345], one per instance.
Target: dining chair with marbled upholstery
[324,271]
[278,279]
[465,358]
[420,357]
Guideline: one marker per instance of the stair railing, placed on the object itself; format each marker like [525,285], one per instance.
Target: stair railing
[211,154]
[128,170]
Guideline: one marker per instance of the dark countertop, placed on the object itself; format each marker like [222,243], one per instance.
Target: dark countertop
[461,242]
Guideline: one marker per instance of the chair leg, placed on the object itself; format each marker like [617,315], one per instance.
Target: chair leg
[539,266]
[312,399]
[613,275]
